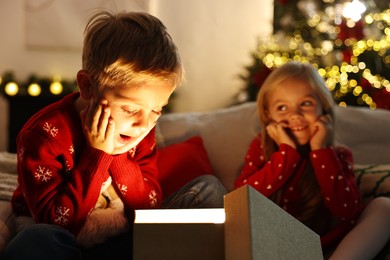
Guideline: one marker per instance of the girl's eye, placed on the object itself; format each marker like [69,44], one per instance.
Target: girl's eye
[281,108]
[307,103]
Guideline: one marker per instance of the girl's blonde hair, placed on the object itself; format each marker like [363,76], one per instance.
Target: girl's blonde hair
[129,49]
[313,212]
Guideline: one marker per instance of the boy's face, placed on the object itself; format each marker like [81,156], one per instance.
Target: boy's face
[135,111]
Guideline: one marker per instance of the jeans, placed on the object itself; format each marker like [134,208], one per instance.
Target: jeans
[46,241]
[206,191]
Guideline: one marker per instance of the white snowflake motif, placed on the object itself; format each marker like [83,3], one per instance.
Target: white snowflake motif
[67,165]
[132,152]
[52,130]
[21,153]
[153,198]
[62,214]
[71,149]
[42,174]
[122,188]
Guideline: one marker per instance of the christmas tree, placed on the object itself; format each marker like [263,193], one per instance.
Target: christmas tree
[348,41]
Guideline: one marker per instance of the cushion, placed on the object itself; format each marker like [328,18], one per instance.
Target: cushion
[7,224]
[180,163]
[8,162]
[7,185]
[226,134]
[373,180]
[366,132]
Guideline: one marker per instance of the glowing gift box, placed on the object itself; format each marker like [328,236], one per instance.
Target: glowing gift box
[250,227]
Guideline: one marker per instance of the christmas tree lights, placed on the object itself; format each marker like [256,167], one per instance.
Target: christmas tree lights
[353,55]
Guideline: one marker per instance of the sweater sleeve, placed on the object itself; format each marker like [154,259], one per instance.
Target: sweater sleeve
[267,176]
[334,172]
[54,191]
[135,175]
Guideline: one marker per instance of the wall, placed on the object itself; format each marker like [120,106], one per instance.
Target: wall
[215,39]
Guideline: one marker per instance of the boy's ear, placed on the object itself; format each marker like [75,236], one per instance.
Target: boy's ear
[85,84]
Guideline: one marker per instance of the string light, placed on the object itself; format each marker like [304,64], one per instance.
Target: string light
[56,88]
[11,88]
[35,86]
[34,89]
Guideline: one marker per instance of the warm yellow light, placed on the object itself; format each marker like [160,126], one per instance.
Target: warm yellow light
[216,216]
[354,10]
[34,89]
[11,88]
[56,88]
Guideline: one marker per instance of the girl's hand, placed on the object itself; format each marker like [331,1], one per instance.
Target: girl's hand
[278,133]
[321,132]
[98,126]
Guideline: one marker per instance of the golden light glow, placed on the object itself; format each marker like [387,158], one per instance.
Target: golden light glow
[347,77]
[11,89]
[216,216]
[56,88]
[34,89]
[354,10]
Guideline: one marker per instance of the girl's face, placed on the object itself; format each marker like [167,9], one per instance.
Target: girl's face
[294,103]
[135,111]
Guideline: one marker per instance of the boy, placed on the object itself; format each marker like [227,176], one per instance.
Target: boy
[86,162]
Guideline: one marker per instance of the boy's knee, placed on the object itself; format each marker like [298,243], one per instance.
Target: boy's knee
[212,183]
[212,192]
[42,241]
[40,230]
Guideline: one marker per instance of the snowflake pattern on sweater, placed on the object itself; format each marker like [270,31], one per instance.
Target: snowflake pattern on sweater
[60,178]
[333,170]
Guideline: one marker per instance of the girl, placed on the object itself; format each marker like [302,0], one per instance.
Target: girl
[295,163]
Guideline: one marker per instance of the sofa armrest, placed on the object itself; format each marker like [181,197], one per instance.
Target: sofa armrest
[7,224]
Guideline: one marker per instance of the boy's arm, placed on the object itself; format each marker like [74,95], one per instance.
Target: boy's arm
[135,175]
[55,193]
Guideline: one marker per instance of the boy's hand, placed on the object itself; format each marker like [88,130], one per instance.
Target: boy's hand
[278,133]
[321,132]
[98,126]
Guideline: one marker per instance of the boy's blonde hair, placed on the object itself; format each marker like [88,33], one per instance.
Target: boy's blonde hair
[304,72]
[128,49]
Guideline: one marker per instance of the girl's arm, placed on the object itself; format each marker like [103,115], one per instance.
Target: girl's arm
[335,175]
[267,177]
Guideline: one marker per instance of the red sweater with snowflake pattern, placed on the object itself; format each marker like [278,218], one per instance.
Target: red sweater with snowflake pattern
[60,177]
[333,171]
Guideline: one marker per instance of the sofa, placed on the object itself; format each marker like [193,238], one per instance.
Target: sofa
[215,142]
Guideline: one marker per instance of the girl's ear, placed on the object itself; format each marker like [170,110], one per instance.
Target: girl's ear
[85,84]
[266,113]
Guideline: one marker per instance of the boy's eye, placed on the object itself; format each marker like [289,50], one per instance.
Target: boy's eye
[130,111]
[157,111]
